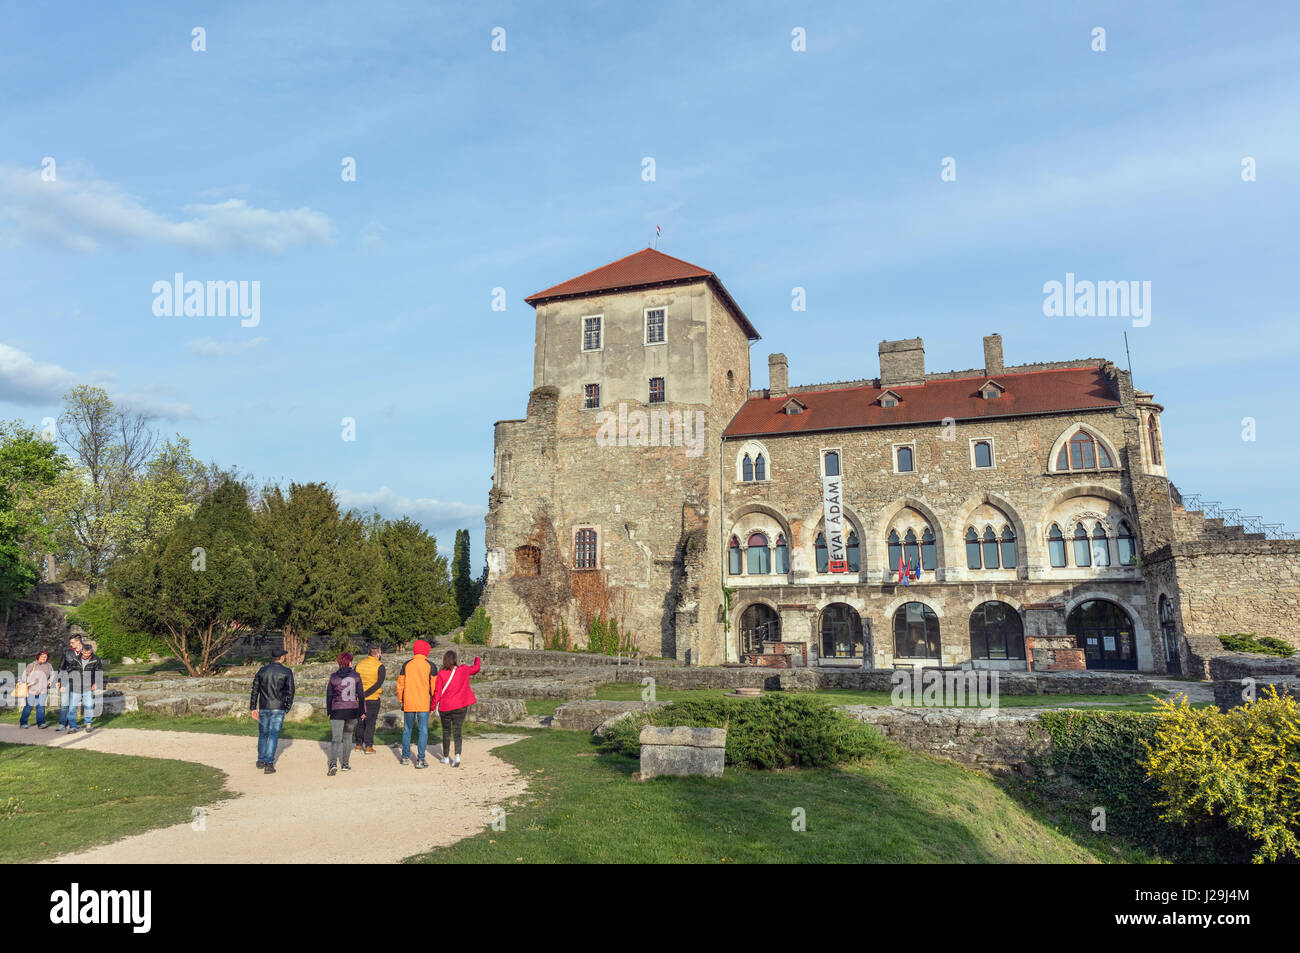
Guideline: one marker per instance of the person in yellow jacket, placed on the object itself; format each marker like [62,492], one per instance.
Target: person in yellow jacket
[372,675]
[415,685]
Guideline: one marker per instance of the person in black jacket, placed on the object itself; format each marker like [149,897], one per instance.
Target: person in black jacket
[86,680]
[271,699]
[68,673]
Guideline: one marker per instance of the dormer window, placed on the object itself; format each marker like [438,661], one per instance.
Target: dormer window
[889,399]
[991,390]
[793,406]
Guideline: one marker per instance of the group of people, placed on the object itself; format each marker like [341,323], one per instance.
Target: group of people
[352,699]
[79,677]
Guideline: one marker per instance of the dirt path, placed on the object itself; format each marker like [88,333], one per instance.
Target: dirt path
[379,812]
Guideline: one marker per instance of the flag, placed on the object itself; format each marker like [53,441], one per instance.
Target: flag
[913,569]
[901,572]
[658,231]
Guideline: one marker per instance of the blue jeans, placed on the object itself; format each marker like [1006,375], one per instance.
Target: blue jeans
[37,702]
[68,715]
[410,719]
[269,723]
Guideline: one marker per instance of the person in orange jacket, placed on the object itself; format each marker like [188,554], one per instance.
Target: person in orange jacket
[415,690]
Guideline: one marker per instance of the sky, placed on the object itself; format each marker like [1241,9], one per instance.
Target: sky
[917,169]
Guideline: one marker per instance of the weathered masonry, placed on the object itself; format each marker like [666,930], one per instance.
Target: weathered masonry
[979,517]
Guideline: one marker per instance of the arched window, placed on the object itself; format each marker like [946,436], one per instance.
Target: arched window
[855,552]
[1125,546]
[1056,546]
[1105,633]
[841,632]
[972,549]
[584,549]
[758,624]
[916,631]
[1100,546]
[904,459]
[747,469]
[782,553]
[996,632]
[832,463]
[733,557]
[1082,452]
[983,454]
[1008,544]
[928,557]
[895,550]
[823,557]
[760,467]
[757,557]
[1153,439]
[910,550]
[1082,551]
[990,548]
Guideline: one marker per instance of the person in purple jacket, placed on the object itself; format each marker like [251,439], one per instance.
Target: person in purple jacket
[344,706]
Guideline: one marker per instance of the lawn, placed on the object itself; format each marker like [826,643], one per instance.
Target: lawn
[585,807]
[53,801]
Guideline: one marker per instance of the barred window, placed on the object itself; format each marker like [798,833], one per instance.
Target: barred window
[654,326]
[591,333]
[591,396]
[584,549]
[656,390]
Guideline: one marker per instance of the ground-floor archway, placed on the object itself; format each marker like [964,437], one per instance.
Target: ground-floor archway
[1105,633]
[758,624]
[841,632]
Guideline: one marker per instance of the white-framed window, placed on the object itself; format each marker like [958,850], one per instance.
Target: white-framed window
[832,462]
[593,338]
[753,463]
[656,325]
[591,397]
[905,457]
[981,454]
[657,393]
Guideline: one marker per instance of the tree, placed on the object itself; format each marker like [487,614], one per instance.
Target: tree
[468,590]
[197,588]
[322,578]
[417,598]
[29,466]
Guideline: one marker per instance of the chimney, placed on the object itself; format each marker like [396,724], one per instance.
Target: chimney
[993,355]
[778,375]
[902,362]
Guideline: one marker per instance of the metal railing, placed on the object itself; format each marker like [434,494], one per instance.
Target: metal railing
[1232,516]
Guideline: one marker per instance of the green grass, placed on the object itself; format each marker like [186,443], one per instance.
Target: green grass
[54,800]
[584,807]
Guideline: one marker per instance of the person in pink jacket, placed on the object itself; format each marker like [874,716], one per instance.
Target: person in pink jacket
[452,697]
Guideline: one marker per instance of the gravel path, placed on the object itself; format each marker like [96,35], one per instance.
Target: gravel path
[379,812]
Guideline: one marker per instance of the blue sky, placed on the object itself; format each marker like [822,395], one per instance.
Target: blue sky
[775,168]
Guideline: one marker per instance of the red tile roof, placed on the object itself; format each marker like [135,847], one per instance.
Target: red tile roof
[1028,392]
[643,269]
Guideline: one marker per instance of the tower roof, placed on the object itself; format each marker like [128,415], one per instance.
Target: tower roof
[646,268]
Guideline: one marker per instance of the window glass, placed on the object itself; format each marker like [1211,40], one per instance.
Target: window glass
[1056,546]
[832,464]
[904,459]
[983,454]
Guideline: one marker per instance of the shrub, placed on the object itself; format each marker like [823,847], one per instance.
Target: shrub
[1242,765]
[478,630]
[774,731]
[98,615]
[1246,642]
[560,640]
[603,637]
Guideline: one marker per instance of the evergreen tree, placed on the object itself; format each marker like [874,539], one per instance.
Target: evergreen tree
[466,588]
[418,602]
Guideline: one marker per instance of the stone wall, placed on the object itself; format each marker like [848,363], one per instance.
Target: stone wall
[1001,741]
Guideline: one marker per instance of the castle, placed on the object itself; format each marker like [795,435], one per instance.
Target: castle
[976,517]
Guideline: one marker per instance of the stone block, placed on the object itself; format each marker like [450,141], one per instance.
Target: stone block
[165,706]
[300,711]
[587,715]
[680,752]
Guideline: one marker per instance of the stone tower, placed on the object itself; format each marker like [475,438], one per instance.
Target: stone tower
[606,497]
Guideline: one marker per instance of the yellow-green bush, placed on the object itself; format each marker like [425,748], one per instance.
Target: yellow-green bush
[1242,765]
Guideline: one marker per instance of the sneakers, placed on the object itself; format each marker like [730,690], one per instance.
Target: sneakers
[456,762]
[370,749]
[61,728]
[334,769]
[270,768]
[403,760]
[445,760]
[345,766]
[73,731]
[24,726]
[421,763]
[261,764]
[357,748]
[42,727]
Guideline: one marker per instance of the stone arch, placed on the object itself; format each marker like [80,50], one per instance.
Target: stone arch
[1069,432]
[1013,516]
[806,549]
[747,602]
[1141,632]
[752,448]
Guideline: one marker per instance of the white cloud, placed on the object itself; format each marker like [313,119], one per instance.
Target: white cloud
[79,213]
[25,380]
[209,347]
[433,515]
